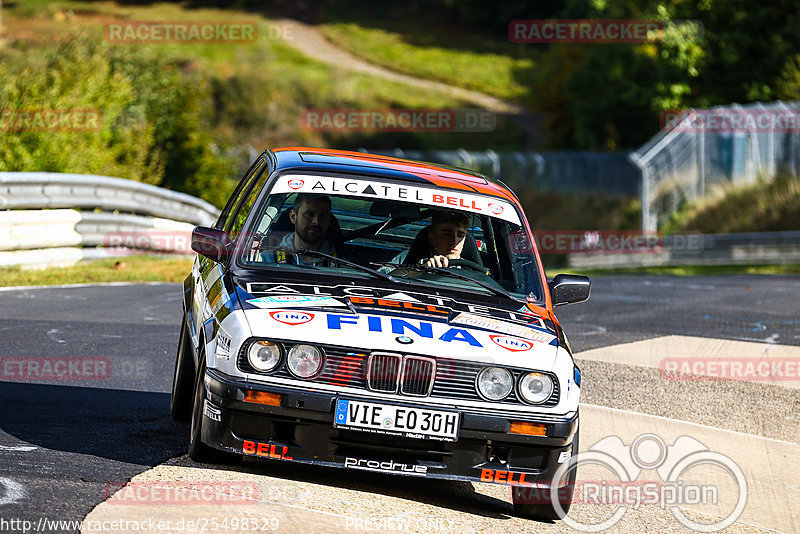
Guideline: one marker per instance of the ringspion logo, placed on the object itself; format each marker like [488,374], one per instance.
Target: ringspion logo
[690,477]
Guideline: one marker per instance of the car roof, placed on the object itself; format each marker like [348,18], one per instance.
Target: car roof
[363,163]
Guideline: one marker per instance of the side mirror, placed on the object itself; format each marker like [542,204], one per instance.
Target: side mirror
[569,288]
[210,242]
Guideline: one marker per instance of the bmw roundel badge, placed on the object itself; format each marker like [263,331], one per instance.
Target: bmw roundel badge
[405,340]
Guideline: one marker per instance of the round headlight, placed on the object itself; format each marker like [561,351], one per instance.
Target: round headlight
[535,387]
[264,355]
[304,360]
[495,383]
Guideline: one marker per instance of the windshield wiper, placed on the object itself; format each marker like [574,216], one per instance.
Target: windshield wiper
[449,272]
[334,259]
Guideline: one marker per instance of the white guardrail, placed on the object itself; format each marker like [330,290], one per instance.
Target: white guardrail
[758,248]
[102,217]
[50,219]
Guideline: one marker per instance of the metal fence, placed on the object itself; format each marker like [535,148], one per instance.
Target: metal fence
[764,248]
[677,166]
[576,172]
[708,148]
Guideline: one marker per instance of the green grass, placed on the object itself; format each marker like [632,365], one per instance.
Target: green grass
[688,270]
[405,50]
[123,269]
[176,269]
[263,86]
[761,207]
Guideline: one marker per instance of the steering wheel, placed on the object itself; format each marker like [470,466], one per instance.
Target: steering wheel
[461,262]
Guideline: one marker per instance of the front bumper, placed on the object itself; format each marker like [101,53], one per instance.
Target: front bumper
[301,430]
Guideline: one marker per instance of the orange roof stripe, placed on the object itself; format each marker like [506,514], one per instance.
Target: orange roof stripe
[440,176]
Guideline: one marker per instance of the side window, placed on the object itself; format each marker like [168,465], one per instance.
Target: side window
[247,204]
[225,218]
[271,210]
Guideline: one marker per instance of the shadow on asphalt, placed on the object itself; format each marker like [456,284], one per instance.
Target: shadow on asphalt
[455,495]
[127,426]
[136,428]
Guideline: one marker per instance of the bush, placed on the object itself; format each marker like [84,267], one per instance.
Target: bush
[154,116]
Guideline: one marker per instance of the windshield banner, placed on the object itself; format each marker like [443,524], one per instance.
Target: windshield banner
[438,197]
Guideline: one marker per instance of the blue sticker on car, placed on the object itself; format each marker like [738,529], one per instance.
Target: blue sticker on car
[341,411]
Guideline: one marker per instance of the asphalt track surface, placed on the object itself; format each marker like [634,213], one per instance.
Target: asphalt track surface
[63,443]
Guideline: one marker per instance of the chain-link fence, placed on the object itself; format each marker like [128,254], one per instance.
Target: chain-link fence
[700,149]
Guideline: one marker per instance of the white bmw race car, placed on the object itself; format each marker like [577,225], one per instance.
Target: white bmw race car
[373,313]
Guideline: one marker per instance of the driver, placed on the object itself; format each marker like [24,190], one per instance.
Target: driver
[446,237]
[311,217]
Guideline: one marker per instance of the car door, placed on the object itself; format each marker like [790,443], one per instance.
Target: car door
[211,287]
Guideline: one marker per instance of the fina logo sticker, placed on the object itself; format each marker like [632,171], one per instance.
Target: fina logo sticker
[497,209]
[295,183]
[513,344]
[292,318]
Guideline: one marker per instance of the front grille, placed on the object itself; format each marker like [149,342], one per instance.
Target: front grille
[417,376]
[383,372]
[421,376]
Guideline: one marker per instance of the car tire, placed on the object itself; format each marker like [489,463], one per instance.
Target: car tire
[199,451]
[546,510]
[180,403]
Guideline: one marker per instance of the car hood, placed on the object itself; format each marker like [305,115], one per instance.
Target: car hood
[371,319]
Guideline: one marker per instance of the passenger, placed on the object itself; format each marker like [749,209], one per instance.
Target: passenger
[446,238]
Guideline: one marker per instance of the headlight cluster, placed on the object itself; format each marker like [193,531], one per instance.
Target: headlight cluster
[497,383]
[535,388]
[264,356]
[303,361]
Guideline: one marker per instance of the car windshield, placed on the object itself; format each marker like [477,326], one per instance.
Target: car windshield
[486,248]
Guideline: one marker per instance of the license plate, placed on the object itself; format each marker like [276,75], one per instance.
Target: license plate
[396,420]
